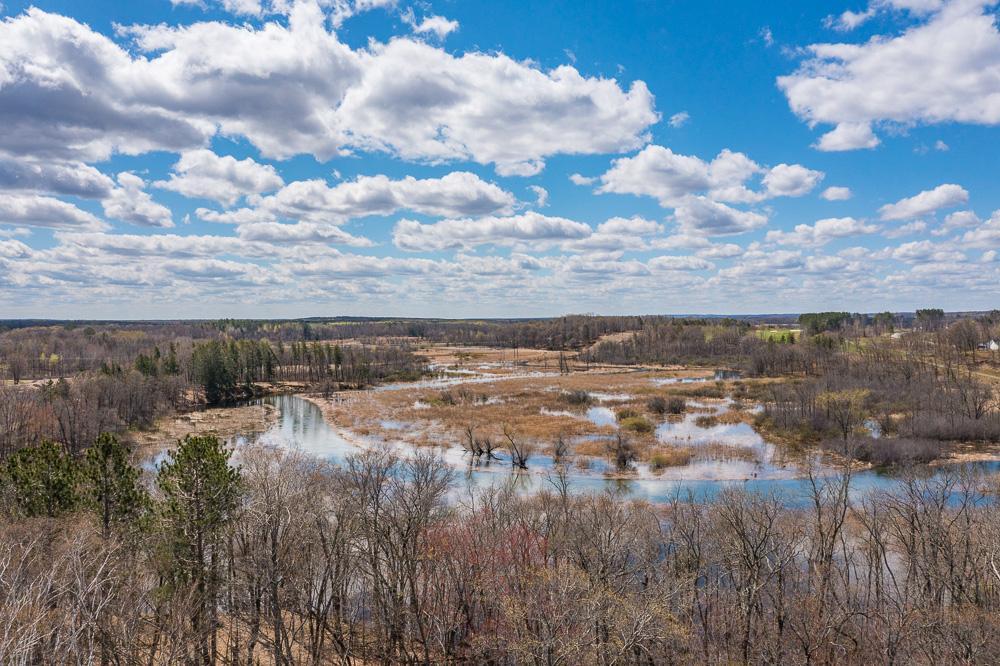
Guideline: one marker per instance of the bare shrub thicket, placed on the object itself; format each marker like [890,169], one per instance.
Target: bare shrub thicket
[916,393]
[377,563]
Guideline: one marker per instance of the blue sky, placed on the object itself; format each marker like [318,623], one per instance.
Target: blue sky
[259,158]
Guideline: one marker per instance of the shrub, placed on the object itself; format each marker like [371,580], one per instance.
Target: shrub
[625,413]
[577,397]
[661,406]
[676,405]
[885,451]
[621,452]
[889,451]
[657,405]
[637,424]
[960,428]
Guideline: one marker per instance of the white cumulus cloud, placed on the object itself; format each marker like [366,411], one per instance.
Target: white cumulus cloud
[205,175]
[438,26]
[292,87]
[702,216]
[61,178]
[928,201]
[456,233]
[822,232]
[671,177]
[791,180]
[837,193]
[34,210]
[943,68]
[458,193]
[679,119]
[129,202]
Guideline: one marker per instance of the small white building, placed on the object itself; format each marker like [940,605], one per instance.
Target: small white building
[993,345]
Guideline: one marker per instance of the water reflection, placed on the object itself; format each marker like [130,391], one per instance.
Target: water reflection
[718,376]
[301,426]
[725,451]
[466,376]
[601,416]
[687,432]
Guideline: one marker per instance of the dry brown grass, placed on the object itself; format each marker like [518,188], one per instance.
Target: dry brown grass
[436,416]
[223,422]
[722,451]
[733,417]
[472,357]
[597,448]
[674,456]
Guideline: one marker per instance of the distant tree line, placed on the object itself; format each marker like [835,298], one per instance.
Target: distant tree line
[666,341]
[52,351]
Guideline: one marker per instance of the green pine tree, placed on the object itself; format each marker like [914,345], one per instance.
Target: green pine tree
[111,485]
[43,479]
[201,491]
[170,365]
[213,370]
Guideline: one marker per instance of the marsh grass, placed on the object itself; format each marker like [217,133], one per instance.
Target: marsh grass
[623,413]
[706,421]
[433,416]
[731,417]
[722,451]
[661,458]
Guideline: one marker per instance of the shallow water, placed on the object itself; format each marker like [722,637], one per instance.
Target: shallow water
[765,460]
[301,426]
[610,397]
[558,412]
[687,432]
[718,376]
[466,376]
[601,416]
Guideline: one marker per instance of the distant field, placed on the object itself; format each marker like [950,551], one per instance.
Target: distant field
[779,334]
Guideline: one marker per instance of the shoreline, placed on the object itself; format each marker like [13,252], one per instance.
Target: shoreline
[224,422]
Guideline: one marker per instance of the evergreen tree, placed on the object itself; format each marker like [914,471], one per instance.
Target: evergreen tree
[201,491]
[210,362]
[111,484]
[147,365]
[338,361]
[43,479]
[170,365]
